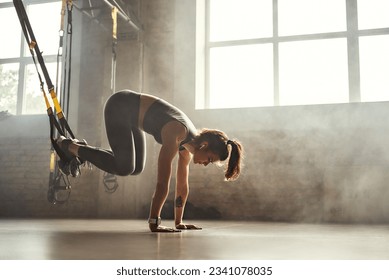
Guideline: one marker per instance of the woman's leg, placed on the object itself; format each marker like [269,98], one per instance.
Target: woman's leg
[140,150]
[126,140]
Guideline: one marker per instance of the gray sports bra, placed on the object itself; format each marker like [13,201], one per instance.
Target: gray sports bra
[160,113]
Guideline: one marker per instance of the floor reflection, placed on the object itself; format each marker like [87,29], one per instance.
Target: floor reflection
[131,240]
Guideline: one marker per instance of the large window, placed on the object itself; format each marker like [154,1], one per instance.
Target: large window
[19,85]
[291,52]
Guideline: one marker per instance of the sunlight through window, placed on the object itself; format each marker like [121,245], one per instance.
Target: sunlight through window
[373,14]
[240,19]
[46,29]
[9,47]
[311,16]
[20,90]
[241,76]
[9,76]
[294,52]
[313,72]
[374,61]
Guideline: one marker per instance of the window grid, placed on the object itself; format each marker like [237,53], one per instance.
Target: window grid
[352,34]
[24,59]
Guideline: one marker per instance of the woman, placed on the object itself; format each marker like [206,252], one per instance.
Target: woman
[128,115]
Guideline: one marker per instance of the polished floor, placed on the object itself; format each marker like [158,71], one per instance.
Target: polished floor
[219,240]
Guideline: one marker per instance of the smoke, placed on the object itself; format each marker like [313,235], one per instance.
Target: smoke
[324,163]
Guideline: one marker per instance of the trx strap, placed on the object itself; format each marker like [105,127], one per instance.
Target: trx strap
[60,123]
[59,184]
[110,180]
[114,15]
[68,54]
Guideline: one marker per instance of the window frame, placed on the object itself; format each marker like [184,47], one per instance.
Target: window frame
[204,45]
[25,59]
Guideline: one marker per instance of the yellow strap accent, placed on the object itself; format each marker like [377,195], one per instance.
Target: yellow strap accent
[55,101]
[114,14]
[46,100]
[52,161]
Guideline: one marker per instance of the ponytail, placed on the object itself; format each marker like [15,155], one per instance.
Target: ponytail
[219,144]
[234,162]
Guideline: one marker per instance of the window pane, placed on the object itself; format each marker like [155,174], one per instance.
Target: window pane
[313,72]
[241,76]
[9,74]
[10,31]
[311,16]
[45,22]
[373,14]
[33,97]
[374,64]
[240,19]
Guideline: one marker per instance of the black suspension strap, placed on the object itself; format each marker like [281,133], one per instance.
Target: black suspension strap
[110,180]
[59,184]
[68,55]
[57,124]
[34,50]
[57,181]
[114,15]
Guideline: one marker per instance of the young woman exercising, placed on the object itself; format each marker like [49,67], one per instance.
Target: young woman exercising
[128,115]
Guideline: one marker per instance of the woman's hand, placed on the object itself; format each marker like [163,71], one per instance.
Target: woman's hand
[187,227]
[155,228]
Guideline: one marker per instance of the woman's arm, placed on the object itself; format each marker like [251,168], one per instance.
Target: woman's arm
[182,189]
[172,135]
[165,159]
[182,186]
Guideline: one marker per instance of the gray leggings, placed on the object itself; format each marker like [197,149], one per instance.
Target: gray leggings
[128,145]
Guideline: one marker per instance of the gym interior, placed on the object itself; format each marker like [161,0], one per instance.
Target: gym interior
[315,179]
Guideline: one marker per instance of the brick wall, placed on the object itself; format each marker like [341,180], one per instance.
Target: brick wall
[24,180]
[21,175]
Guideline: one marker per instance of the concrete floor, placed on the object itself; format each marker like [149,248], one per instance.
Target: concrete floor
[219,240]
